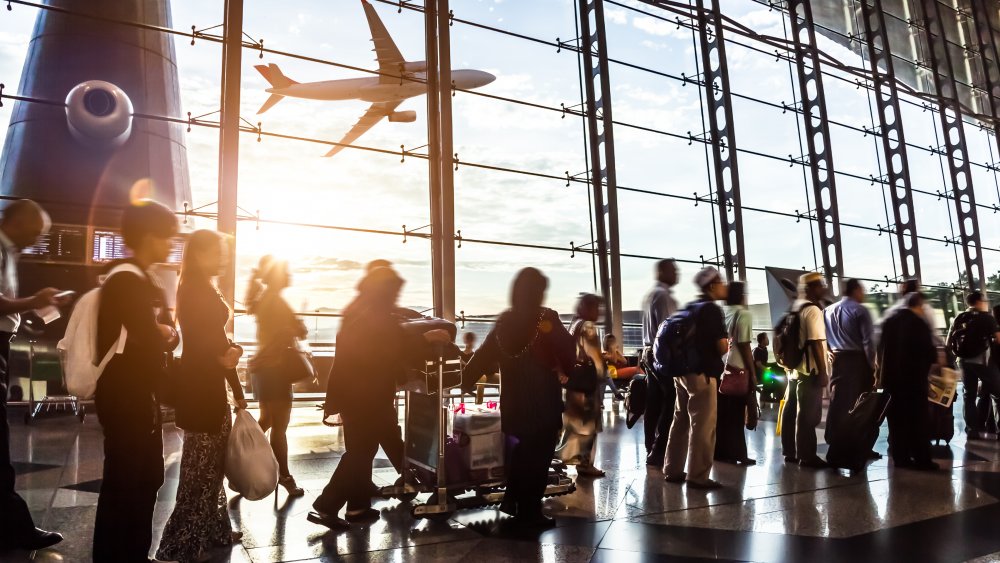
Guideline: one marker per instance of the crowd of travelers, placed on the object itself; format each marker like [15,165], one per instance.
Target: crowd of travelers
[697,372]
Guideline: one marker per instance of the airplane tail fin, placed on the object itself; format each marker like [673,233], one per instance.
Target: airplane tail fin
[274,76]
[275,98]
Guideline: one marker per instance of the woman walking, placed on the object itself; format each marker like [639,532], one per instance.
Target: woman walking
[200,520]
[277,330]
[730,441]
[532,347]
[582,418]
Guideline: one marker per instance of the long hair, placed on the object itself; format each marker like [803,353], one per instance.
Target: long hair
[199,242]
[737,293]
[270,273]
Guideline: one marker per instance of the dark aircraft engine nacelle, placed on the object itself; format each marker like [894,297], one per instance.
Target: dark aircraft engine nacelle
[403,116]
[416,66]
[99,114]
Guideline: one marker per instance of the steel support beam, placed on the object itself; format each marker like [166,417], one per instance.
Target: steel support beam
[715,71]
[433,150]
[229,139]
[817,131]
[891,133]
[986,47]
[602,158]
[953,131]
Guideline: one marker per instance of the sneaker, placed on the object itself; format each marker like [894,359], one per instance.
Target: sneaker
[791,459]
[589,471]
[331,521]
[707,484]
[679,478]
[362,515]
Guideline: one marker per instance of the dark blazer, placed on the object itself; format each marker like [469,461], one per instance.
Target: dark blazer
[906,353]
[201,400]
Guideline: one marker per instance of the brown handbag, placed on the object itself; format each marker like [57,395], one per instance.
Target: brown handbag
[735,381]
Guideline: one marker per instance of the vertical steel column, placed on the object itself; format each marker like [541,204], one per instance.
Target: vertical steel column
[434,150]
[817,129]
[727,177]
[229,138]
[447,173]
[893,140]
[602,144]
[986,45]
[950,114]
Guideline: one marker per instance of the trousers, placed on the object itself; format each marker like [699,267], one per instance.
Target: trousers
[972,375]
[692,433]
[530,459]
[15,519]
[350,483]
[852,375]
[803,413]
[659,414]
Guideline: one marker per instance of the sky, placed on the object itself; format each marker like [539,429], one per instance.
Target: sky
[288,180]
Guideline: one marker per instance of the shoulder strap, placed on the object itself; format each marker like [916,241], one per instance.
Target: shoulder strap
[124,268]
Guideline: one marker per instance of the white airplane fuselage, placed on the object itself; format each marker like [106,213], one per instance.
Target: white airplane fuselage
[373,90]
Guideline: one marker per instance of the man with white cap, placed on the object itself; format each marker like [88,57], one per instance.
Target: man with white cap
[697,393]
[804,396]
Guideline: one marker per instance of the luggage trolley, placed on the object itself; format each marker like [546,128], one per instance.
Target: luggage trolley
[425,466]
[52,371]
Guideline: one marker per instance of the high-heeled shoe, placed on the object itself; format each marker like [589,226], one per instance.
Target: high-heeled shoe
[288,482]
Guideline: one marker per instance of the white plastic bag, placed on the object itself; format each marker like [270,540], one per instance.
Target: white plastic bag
[251,467]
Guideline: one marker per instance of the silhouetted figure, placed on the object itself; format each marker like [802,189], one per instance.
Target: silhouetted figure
[977,328]
[126,401]
[533,347]
[582,418]
[277,330]
[200,519]
[658,306]
[373,353]
[23,222]
[730,441]
[906,354]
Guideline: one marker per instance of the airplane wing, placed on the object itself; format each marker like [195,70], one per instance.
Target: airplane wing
[389,59]
[373,115]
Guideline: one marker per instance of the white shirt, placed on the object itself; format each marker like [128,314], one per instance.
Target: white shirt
[739,323]
[813,328]
[9,254]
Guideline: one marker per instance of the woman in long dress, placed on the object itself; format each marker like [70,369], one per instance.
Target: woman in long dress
[582,420]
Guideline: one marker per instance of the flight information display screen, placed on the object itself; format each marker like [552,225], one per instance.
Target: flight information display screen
[63,243]
[108,245]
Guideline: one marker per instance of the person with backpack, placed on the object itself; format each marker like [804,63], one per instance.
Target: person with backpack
[849,334]
[127,404]
[533,348]
[970,338]
[906,353]
[704,341]
[800,347]
[658,306]
[24,221]
[582,420]
[200,518]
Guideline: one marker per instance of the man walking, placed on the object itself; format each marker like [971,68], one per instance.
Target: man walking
[849,336]
[697,393]
[23,222]
[971,335]
[658,305]
[804,394]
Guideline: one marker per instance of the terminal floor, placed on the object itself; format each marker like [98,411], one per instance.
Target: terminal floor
[770,512]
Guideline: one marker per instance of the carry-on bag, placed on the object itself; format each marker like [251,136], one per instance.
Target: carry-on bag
[855,436]
[941,422]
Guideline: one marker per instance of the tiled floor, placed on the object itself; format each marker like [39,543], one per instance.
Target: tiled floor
[770,512]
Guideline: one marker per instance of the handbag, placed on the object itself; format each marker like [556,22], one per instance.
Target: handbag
[290,364]
[735,381]
[583,377]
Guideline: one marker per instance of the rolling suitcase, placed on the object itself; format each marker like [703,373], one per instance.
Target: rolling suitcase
[855,437]
[941,422]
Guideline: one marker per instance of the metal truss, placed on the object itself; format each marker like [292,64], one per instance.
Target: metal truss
[986,45]
[897,166]
[950,114]
[817,129]
[723,134]
[594,50]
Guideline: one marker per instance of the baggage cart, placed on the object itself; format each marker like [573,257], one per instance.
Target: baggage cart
[41,368]
[425,467]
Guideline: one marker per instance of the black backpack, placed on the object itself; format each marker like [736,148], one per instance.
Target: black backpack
[675,352]
[963,342]
[787,351]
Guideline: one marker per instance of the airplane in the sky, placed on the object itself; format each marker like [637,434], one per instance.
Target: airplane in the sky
[385,92]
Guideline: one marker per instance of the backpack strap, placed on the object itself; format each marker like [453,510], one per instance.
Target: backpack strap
[118,347]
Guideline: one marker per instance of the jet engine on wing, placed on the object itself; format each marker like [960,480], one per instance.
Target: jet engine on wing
[403,116]
[99,114]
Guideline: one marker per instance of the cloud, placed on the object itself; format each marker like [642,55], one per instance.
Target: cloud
[616,16]
[658,27]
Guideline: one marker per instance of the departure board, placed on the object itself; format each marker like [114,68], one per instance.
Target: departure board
[108,245]
[63,243]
